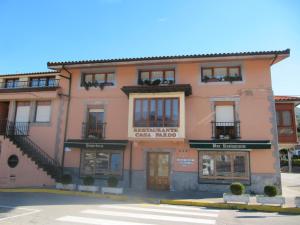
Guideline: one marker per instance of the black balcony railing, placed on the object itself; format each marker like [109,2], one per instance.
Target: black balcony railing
[156,123]
[93,130]
[51,83]
[225,130]
[14,128]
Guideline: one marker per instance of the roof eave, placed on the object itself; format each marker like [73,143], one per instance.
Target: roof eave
[58,66]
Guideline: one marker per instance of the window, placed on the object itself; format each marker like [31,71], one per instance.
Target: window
[43,82]
[156,112]
[101,162]
[224,165]
[13,161]
[43,111]
[284,122]
[164,76]
[225,126]
[95,123]
[219,74]
[99,78]
[11,83]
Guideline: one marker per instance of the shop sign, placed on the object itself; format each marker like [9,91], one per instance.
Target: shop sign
[156,132]
[185,161]
[230,146]
[93,145]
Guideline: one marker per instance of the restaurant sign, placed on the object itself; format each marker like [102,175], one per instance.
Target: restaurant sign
[155,132]
[231,146]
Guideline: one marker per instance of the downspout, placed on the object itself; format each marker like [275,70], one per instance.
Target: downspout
[67,117]
[130,165]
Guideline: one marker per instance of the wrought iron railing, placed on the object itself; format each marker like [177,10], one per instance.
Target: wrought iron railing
[93,130]
[30,84]
[225,130]
[18,133]
[156,123]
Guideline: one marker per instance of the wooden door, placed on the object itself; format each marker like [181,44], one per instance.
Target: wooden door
[158,171]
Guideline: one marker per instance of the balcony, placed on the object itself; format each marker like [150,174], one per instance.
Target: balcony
[27,86]
[225,130]
[93,131]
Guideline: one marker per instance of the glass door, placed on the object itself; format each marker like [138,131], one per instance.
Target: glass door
[158,171]
[95,125]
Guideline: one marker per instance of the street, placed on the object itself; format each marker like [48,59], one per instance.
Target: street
[46,209]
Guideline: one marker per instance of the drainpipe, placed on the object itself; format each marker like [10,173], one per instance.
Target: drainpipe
[130,165]
[67,117]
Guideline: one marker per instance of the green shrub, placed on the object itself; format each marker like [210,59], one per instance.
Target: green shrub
[66,179]
[270,190]
[112,181]
[89,180]
[237,188]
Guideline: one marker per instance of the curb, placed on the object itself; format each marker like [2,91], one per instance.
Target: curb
[217,205]
[261,208]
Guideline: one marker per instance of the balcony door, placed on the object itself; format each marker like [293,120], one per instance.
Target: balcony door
[95,124]
[225,122]
[22,118]
[158,171]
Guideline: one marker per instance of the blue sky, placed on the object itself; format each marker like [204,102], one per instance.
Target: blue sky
[33,32]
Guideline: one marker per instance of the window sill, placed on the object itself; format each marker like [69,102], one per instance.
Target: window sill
[217,181]
[221,82]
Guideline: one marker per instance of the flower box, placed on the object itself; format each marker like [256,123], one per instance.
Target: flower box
[88,188]
[245,198]
[112,190]
[297,202]
[69,187]
[276,200]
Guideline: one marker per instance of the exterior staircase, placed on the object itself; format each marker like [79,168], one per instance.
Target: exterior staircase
[17,133]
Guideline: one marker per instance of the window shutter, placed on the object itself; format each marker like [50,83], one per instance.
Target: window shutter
[224,113]
[43,113]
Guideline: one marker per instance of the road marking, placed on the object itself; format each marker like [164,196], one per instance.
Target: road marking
[159,210]
[77,219]
[189,208]
[149,216]
[32,211]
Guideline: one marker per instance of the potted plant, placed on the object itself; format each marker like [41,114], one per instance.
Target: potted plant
[66,183]
[237,194]
[88,185]
[270,196]
[112,183]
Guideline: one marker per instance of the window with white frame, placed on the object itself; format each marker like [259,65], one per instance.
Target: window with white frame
[43,111]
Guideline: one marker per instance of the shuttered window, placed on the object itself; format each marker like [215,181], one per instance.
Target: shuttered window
[43,111]
[224,113]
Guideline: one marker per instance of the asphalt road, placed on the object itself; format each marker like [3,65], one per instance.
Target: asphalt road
[46,209]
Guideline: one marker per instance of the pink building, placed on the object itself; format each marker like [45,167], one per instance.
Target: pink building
[193,122]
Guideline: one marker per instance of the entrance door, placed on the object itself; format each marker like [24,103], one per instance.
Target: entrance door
[22,118]
[158,171]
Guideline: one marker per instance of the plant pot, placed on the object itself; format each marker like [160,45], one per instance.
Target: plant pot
[245,198]
[297,202]
[69,187]
[276,200]
[88,188]
[112,190]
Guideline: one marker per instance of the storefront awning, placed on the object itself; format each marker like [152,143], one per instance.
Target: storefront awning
[101,144]
[230,145]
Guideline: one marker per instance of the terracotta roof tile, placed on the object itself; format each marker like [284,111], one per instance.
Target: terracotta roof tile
[287,51]
[281,98]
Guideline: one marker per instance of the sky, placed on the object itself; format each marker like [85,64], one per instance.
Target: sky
[33,32]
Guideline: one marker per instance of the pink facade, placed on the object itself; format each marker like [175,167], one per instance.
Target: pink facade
[168,123]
